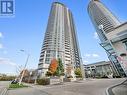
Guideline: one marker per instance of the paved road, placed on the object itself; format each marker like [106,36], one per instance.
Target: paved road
[90,87]
[87,87]
[3,85]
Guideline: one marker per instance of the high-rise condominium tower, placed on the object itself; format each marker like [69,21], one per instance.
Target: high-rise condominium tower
[100,15]
[60,40]
[105,22]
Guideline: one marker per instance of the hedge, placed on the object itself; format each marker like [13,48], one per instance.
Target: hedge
[7,78]
[43,81]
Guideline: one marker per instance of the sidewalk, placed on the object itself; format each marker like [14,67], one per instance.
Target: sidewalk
[26,91]
[120,89]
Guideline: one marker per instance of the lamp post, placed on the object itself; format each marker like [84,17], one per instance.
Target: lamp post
[23,72]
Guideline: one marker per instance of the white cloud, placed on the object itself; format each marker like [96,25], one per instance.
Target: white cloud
[96,35]
[85,61]
[95,55]
[1,46]
[91,55]
[7,61]
[1,35]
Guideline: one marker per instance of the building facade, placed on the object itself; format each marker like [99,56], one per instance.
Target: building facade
[60,41]
[99,69]
[105,23]
[118,39]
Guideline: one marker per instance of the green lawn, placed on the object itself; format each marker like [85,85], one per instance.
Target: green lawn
[17,86]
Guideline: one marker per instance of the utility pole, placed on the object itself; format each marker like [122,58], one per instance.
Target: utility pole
[23,71]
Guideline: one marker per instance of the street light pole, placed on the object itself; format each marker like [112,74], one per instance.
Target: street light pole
[23,72]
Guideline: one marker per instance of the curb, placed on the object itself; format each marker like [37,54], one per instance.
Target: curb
[109,89]
[4,92]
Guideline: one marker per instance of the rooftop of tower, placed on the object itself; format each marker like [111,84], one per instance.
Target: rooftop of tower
[95,0]
[59,3]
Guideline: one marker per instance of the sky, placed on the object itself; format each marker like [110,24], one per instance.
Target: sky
[26,31]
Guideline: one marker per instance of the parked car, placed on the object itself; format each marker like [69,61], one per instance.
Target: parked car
[15,81]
